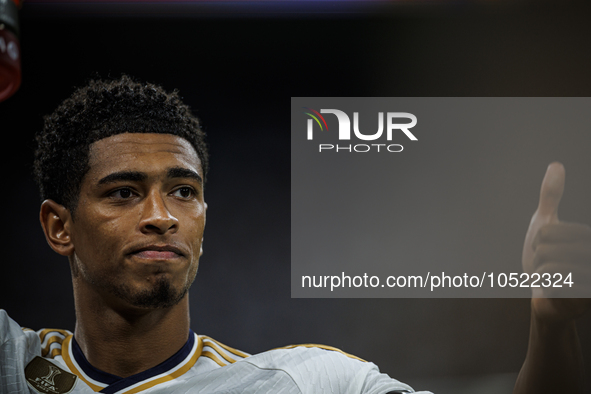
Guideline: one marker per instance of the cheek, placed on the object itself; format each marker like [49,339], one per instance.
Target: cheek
[198,230]
[196,234]
[98,243]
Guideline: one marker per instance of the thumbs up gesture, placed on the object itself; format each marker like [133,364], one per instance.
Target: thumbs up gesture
[555,247]
[554,361]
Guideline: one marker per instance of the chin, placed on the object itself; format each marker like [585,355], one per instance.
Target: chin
[159,296]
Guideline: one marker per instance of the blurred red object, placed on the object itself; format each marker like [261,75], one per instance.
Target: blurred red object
[10,52]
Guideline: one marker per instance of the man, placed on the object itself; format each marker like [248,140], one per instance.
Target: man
[121,167]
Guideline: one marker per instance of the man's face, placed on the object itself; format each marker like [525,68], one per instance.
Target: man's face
[139,222]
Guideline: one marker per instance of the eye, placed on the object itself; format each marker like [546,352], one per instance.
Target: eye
[185,192]
[123,193]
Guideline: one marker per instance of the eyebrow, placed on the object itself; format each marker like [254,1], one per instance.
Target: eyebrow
[137,176]
[134,176]
[180,172]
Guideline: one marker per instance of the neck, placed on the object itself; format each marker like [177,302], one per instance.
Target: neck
[124,340]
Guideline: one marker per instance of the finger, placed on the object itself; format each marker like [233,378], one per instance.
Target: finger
[563,292]
[561,309]
[571,256]
[562,232]
[554,280]
[551,191]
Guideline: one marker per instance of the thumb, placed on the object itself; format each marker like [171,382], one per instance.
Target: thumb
[547,212]
[551,192]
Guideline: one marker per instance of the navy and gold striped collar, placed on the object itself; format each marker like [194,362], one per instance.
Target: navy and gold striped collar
[104,382]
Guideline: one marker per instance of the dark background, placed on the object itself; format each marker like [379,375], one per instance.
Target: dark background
[237,65]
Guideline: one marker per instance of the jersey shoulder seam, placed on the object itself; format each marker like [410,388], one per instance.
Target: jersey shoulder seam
[324,347]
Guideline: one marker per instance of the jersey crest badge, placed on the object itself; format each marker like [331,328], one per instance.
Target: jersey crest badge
[47,378]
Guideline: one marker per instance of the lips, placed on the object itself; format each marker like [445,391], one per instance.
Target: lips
[158,252]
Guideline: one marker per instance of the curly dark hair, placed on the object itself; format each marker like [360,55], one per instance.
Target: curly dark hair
[99,110]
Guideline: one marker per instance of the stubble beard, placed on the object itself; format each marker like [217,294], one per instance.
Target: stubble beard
[160,295]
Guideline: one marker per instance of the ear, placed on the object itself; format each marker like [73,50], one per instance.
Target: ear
[56,221]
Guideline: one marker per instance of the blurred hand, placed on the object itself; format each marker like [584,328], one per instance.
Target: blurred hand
[553,247]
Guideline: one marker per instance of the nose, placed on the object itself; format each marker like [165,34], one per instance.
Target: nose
[156,218]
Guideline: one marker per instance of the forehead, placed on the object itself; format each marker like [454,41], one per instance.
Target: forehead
[142,151]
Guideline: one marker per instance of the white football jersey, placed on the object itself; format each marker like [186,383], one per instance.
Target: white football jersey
[50,361]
